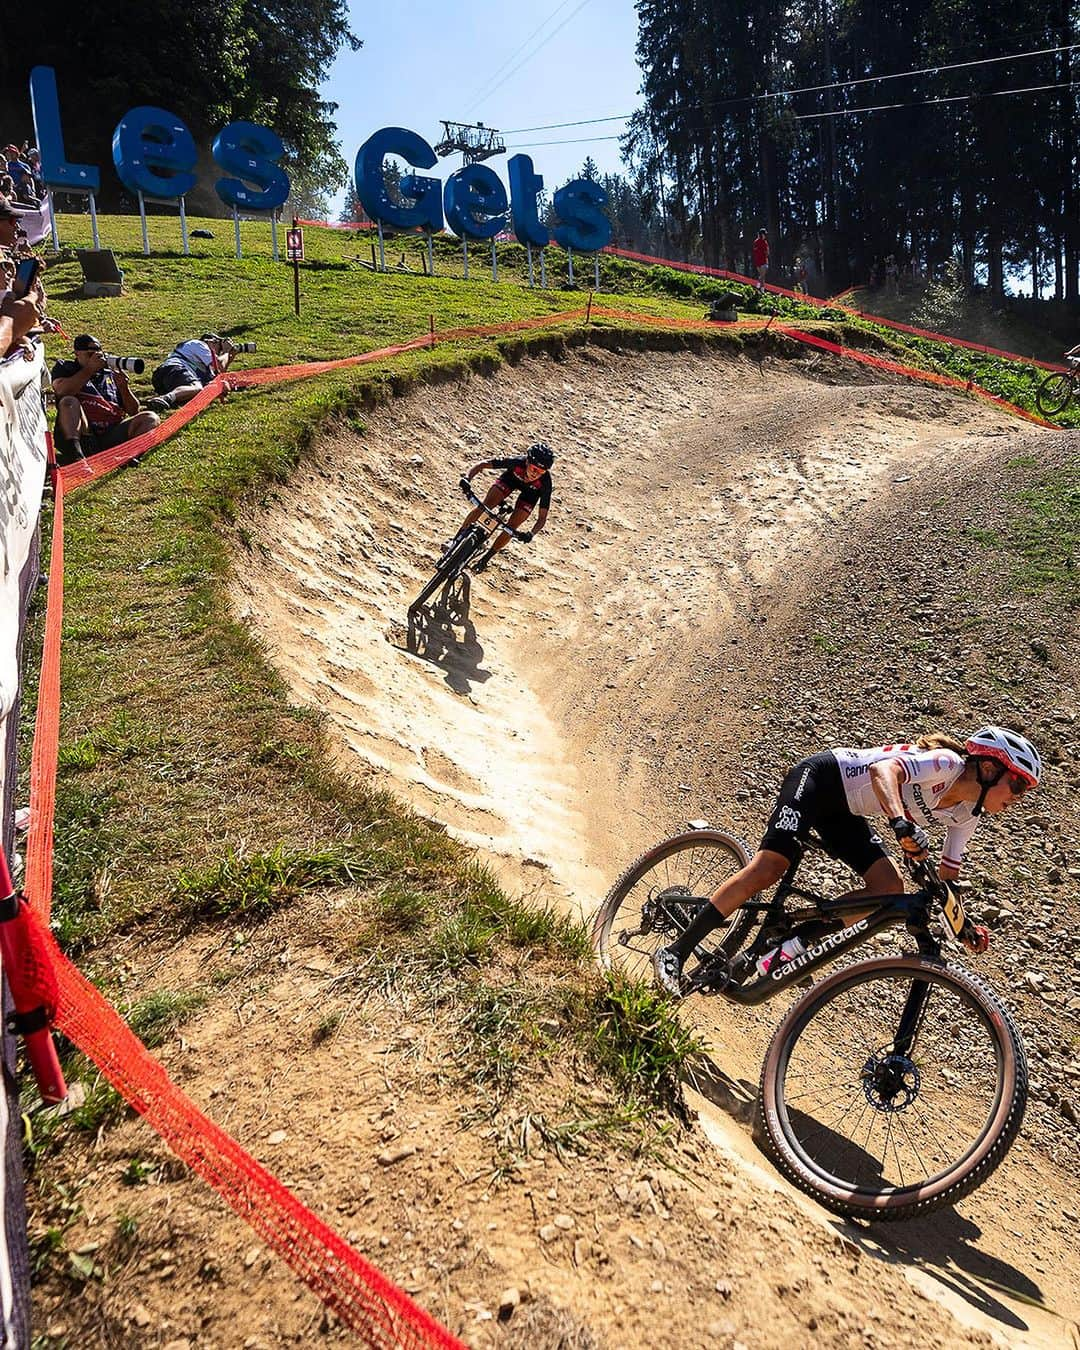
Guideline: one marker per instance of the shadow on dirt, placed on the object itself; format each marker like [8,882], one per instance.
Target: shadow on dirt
[433,636]
[945,1245]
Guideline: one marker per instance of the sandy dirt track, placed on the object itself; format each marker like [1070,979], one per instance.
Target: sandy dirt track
[587,695]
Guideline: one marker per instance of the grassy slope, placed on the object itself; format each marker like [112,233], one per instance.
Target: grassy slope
[189,787]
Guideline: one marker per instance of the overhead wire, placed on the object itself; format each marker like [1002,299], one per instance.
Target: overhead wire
[488,89]
[817,88]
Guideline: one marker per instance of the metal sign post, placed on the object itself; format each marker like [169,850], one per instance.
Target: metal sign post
[142,218]
[465,254]
[528,252]
[273,234]
[183,228]
[494,263]
[570,264]
[294,251]
[236,228]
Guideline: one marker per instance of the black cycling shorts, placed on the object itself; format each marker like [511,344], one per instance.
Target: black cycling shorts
[812,798]
[527,496]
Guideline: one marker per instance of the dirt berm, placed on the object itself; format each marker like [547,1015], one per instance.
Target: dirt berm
[744,562]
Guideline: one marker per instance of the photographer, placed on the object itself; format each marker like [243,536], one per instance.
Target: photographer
[187,369]
[95,406]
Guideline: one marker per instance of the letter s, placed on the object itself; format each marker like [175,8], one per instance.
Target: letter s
[252,153]
[154,153]
[584,227]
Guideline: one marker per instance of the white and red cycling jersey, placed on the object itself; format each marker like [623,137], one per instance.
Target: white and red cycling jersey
[927,775]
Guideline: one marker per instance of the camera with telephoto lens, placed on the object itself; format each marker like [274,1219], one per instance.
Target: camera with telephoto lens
[133,364]
[244,347]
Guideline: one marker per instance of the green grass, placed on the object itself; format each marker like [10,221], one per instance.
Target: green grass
[160,1015]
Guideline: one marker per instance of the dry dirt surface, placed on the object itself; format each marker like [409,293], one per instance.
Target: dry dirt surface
[744,562]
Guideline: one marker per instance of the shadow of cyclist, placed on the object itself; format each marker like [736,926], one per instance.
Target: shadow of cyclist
[945,1245]
[433,637]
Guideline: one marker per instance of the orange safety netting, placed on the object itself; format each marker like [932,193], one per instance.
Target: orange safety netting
[833,303]
[912,372]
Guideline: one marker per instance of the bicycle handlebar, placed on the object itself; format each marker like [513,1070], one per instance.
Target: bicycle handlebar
[499,520]
[922,870]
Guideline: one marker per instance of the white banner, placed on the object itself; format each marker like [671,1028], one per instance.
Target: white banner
[22,478]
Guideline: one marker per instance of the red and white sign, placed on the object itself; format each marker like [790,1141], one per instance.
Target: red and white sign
[294,245]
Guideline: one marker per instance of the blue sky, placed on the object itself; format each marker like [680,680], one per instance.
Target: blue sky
[424,60]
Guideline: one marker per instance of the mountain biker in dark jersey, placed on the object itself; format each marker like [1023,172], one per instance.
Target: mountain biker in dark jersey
[528,476]
[936,780]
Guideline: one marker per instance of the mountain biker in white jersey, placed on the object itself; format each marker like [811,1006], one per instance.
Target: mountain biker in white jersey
[936,780]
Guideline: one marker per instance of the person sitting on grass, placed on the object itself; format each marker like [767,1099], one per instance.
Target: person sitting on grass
[188,369]
[95,406]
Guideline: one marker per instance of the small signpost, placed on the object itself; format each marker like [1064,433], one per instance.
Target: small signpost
[294,251]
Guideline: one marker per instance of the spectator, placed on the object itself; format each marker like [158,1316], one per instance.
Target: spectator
[800,277]
[22,176]
[760,255]
[95,406]
[187,369]
[33,158]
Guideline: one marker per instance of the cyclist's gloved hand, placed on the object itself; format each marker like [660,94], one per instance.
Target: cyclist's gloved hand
[525,535]
[465,486]
[913,838]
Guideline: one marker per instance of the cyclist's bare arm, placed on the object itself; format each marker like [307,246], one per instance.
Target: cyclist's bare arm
[478,468]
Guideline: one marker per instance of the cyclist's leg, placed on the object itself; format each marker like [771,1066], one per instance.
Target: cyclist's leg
[855,841]
[785,835]
[518,517]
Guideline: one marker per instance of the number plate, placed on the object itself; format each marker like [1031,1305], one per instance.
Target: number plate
[953,909]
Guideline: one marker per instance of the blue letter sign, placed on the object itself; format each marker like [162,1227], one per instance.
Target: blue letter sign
[585,226]
[524,185]
[154,153]
[251,153]
[476,202]
[55,169]
[424,193]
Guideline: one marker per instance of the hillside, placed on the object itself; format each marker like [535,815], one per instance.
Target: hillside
[660,653]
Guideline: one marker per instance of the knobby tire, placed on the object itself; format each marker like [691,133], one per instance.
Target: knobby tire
[1053,395]
[702,858]
[448,568]
[788,1141]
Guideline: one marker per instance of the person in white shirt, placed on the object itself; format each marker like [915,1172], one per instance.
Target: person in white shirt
[188,369]
[934,781]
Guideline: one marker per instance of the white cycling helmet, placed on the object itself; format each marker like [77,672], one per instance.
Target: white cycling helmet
[1009,748]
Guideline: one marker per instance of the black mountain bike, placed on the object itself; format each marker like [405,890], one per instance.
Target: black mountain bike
[464,547]
[893,1087]
[1058,389]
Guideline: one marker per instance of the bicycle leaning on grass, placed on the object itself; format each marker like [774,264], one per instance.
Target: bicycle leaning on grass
[464,547]
[893,1087]
[1058,389]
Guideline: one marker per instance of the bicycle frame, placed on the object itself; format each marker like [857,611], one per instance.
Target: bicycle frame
[910,910]
[913,910]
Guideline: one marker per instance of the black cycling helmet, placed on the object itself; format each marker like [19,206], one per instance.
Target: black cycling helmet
[540,454]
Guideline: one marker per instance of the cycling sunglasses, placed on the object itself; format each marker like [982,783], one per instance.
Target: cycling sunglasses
[1017,785]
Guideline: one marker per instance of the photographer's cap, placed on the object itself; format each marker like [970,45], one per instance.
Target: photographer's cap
[86,342]
[210,337]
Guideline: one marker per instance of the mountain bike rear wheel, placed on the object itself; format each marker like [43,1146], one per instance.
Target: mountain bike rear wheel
[450,564]
[655,898]
[1053,395]
[893,1087]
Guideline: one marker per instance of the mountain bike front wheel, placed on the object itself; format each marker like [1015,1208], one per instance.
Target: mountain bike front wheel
[449,565]
[893,1087]
[1053,395]
[659,893]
